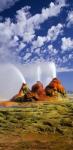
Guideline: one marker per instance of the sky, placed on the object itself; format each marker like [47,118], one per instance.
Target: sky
[34,33]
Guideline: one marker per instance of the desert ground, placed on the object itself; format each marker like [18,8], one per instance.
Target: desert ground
[37,126]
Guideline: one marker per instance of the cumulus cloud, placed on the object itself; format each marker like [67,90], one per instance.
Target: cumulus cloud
[21,43]
[53,10]
[51,36]
[67,43]
[52,50]
[5,4]
[27,56]
[70,18]
[17,35]
[39,42]
[54,31]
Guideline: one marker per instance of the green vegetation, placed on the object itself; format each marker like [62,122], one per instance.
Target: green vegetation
[37,126]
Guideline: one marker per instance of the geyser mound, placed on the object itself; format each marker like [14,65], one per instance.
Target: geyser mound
[55,88]
[39,89]
[53,91]
[21,94]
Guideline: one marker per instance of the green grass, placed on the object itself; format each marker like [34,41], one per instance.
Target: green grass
[42,119]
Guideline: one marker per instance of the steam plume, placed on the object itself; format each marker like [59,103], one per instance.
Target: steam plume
[52,69]
[11,80]
[19,73]
[39,73]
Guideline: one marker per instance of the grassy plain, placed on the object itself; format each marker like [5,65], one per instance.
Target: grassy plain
[37,126]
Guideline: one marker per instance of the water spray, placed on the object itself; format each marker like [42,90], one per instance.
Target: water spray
[52,68]
[19,73]
[11,80]
[51,72]
[39,73]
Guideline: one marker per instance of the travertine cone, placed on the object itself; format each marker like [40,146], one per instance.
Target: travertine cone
[54,88]
[39,93]
[20,96]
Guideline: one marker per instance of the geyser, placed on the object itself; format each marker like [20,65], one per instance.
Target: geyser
[11,80]
[38,73]
[52,69]
[19,73]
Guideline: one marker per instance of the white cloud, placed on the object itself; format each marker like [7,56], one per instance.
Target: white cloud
[37,51]
[67,43]
[51,36]
[70,18]
[52,50]
[70,56]
[39,42]
[20,47]
[65,69]
[54,31]
[4,4]
[65,59]
[26,56]
[53,10]
[19,34]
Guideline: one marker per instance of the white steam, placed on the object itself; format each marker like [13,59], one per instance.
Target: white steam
[12,77]
[11,80]
[38,73]
[18,73]
[50,72]
[52,69]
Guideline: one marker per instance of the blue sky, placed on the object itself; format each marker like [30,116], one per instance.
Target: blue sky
[34,32]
